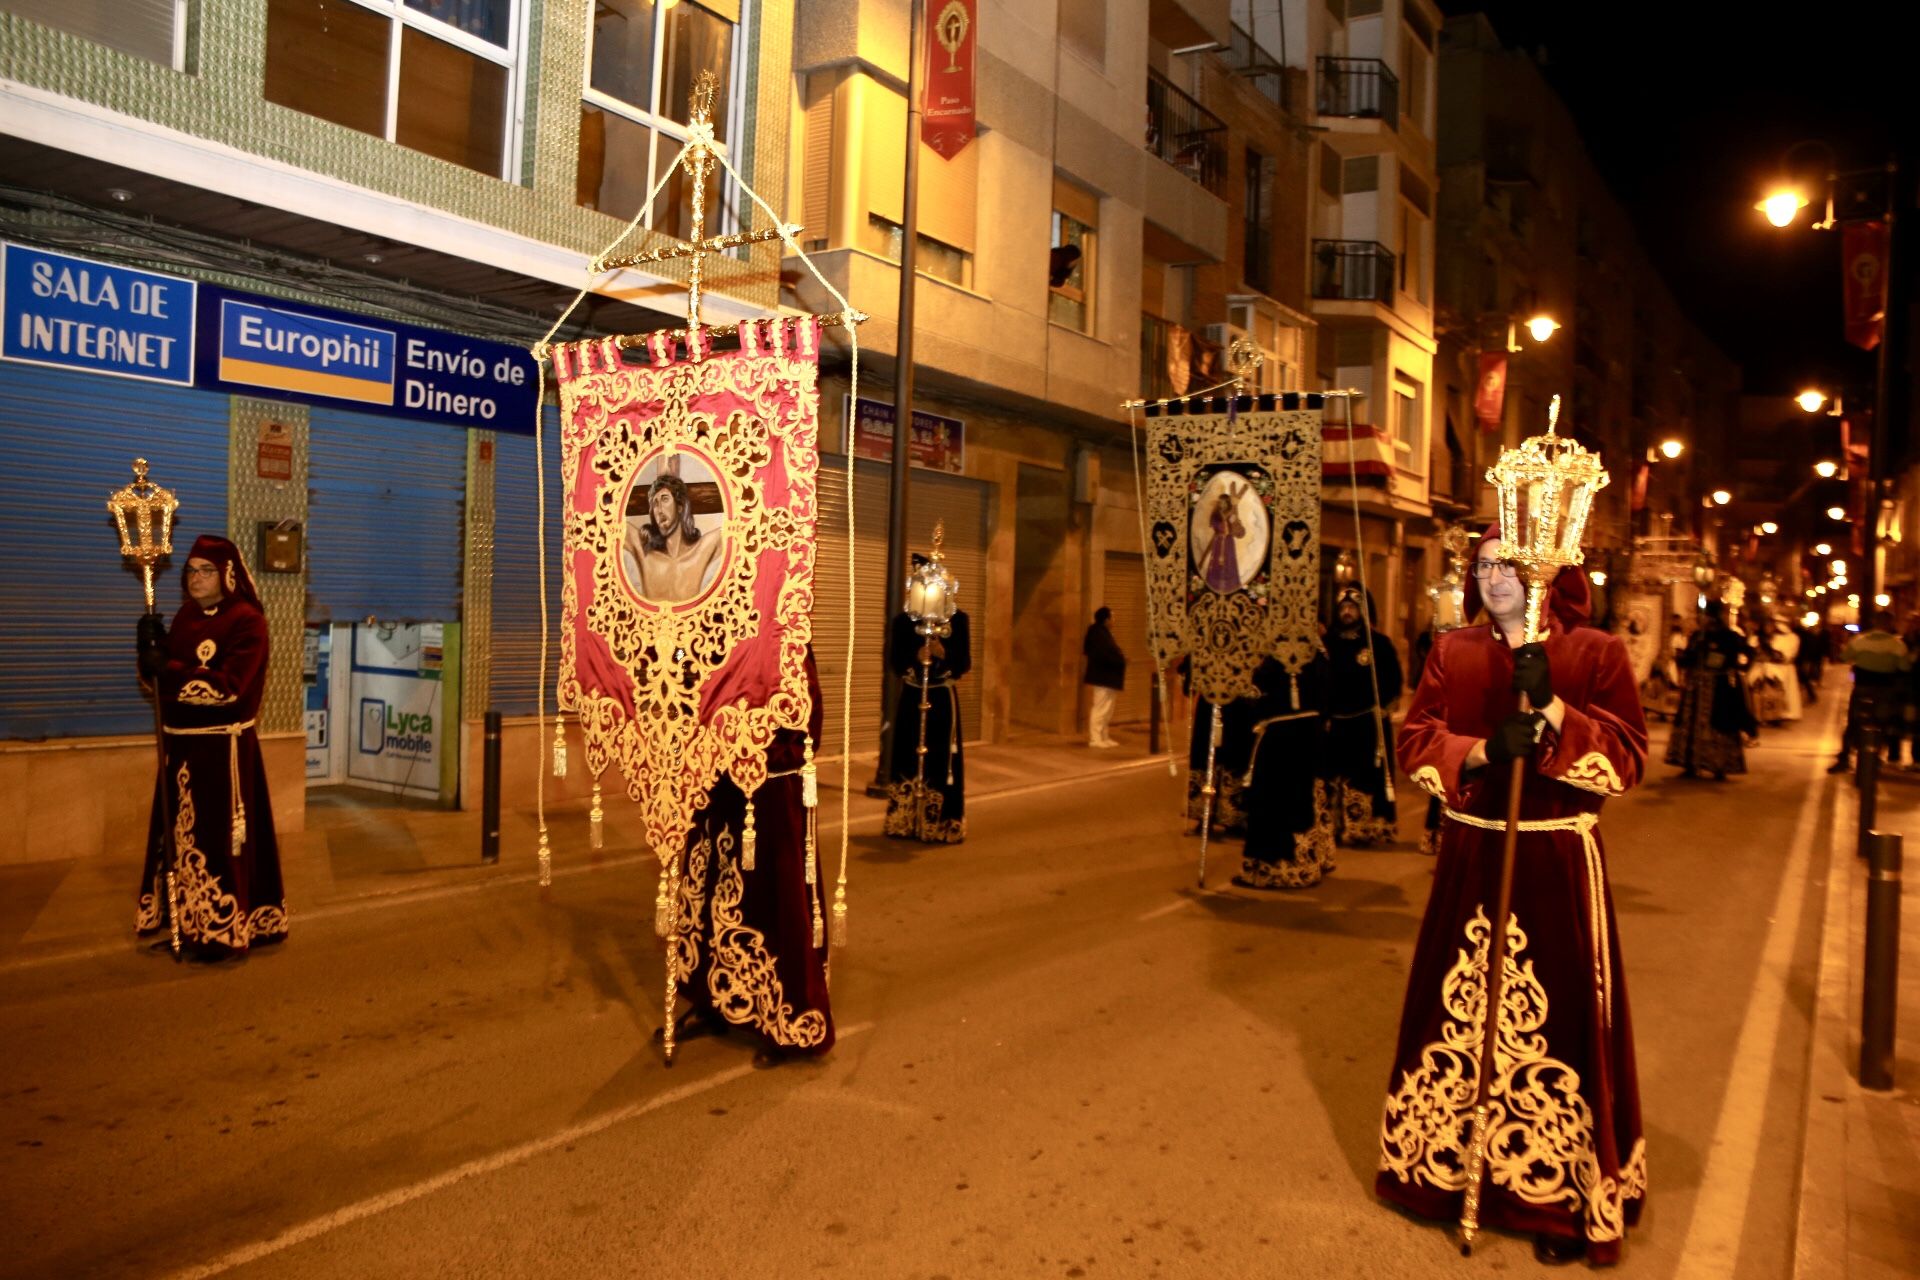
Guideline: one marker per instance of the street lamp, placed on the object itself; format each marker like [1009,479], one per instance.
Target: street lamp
[1721,497]
[1823,548]
[1542,326]
[1781,206]
[1826,469]
[1884,600]
[1811,399]
[1769,527]
[1671,449]
[1836,513]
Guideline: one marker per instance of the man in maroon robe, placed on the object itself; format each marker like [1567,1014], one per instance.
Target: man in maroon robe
[1566,1158]
[208,672]
[749,945]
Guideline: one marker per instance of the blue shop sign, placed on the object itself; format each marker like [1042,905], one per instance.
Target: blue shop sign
[71,313]
[320,356]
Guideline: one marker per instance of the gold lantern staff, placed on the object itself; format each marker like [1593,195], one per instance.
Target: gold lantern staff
[1546,490]
[932,595]
[143,512]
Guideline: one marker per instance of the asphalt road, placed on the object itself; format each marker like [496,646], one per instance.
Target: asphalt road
[1056,1059]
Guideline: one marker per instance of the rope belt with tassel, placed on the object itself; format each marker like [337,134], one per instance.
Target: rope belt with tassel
[1584,823]
[232,732]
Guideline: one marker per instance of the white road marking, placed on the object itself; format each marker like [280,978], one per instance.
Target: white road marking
[1712,1246]
[1167,910]
[375,1205]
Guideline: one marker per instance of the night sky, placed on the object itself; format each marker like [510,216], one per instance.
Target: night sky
[1688,107]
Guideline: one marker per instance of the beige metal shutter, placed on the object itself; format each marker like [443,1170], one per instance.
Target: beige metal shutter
[1126,595]
[964,505]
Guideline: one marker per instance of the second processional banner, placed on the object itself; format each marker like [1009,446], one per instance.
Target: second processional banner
[689,551]
[1233,518]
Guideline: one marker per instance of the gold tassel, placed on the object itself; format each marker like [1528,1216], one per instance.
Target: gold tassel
[239,826]
[813,862]
[596,838]
[749,840]
[809,780]
[840,916]
[559,746]
[546,860]
[813,884]
[660,921]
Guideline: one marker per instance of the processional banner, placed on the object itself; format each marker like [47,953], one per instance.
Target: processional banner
[1233,516]
[689,552]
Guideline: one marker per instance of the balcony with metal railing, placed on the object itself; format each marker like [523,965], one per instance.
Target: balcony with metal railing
[1358,89]
[1185,134]
[1353,271]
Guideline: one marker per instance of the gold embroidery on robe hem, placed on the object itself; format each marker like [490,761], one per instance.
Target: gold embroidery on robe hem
[1540,1145]
[1594,772]
[1312,852]
[1357,823]
[208,913]
[745,987]
[901,820]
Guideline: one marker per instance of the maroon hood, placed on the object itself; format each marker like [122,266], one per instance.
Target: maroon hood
[235,582]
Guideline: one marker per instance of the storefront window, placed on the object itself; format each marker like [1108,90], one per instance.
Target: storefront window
[645,61]
[433,75]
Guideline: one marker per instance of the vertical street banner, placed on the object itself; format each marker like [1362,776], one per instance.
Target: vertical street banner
[1490,390]
[1863,255]
[946,105]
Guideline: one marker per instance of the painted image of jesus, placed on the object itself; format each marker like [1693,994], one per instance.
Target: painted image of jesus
[673,543]
[1227,537]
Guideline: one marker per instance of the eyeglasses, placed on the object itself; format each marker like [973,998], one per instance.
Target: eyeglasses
[1489,568]
[203,570]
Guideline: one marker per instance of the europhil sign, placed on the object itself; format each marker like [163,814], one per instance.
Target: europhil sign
[73,313]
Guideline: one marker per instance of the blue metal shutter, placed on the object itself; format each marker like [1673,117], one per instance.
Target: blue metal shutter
[516,570]
[67,602]
[384,530]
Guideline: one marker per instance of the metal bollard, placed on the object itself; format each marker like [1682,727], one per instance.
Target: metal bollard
[1883,961]
[490,791]
[1867,777]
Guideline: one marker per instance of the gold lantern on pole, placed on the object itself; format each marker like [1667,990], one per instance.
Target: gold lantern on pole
[1546,488]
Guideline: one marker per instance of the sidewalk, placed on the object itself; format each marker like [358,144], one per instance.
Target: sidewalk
[365,845]
[1860,1163]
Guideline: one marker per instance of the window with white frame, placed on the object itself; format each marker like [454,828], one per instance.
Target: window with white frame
[646,57]
[439,76]
[1281,342]
[1409,423]
[152,29]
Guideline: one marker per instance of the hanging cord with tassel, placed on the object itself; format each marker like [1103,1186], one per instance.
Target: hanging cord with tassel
[810,798]
[1153,621]
[1381,756]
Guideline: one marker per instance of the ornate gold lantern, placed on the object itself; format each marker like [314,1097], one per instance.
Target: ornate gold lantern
[1546,494]
[1448,593]
[149,540]
[932,596]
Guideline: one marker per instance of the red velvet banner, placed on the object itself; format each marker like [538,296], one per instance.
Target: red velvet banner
[1863,255]
[946,104]
[1490,395]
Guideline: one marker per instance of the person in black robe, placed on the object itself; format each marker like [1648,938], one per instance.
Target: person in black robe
[932,806]
[211,810]
[1289,812]
[1715,716]
[749,945]
[1359,731]
[1230,760]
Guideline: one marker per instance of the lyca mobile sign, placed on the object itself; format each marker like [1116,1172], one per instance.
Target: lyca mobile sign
[92,317]
[75,314]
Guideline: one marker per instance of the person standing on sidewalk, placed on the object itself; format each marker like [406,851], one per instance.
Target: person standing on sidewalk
[1566,1159]
[211,803]
[1359,729]
[1880,666]
[1106,676]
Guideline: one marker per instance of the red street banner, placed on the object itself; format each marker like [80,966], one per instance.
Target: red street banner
[1863,255]
[1490,396]
[946,119]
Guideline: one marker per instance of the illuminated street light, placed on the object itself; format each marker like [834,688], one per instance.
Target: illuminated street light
[1811,400]
[1839,566]
[1721,497]
[1671,449]
[1884,600]
[1542,327]
[1811,620]
[1769,527]
[1836,513]
[1823,548]
[1598,576]
[1782,206]
[1825,469]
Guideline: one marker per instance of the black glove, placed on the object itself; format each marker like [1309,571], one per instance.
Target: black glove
[1516,737]
[1532,675]
[150,639]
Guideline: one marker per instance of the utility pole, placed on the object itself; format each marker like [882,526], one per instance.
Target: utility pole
[897,485]
[1893,336]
